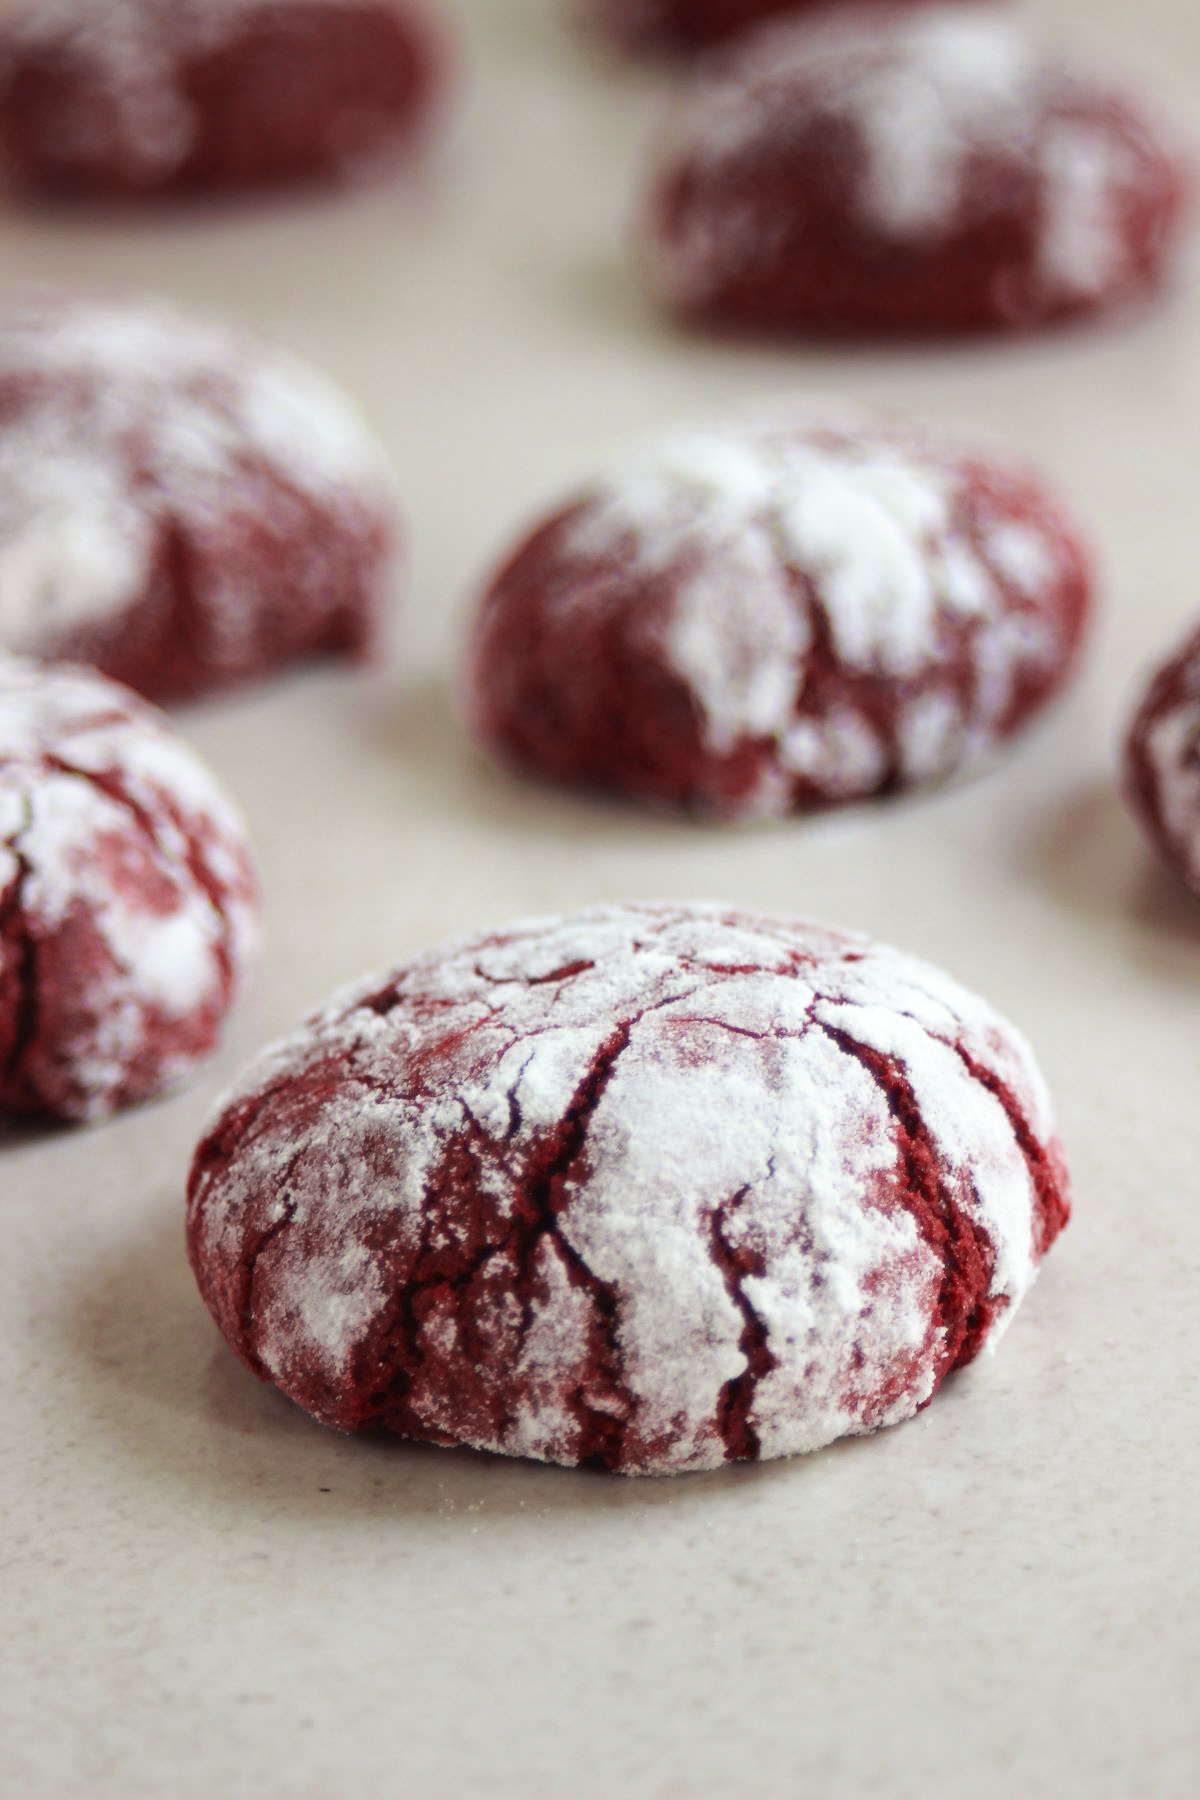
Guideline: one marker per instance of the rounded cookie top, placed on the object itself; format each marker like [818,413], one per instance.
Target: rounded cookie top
[128,899]
[140,97]
[761,619]
[649,1187]
[178,506]
[927,170]
[1162,760]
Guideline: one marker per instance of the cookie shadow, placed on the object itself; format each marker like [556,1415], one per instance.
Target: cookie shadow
[180,1409]
[610,293]
[393,201]
[420,729]
[1091,856]
[533,32]
[616,292]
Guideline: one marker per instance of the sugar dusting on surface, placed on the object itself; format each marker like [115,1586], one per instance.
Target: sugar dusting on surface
[857,522]
[120,418]
[935,85]
[923,95]
[735,1101]
[1084,171]
[108,817]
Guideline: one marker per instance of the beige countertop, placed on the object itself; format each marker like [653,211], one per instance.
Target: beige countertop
[203,1595]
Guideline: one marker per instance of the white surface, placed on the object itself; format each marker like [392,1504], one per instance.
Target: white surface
[201,1593]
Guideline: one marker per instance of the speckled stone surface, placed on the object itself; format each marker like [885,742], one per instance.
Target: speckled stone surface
[201,1592]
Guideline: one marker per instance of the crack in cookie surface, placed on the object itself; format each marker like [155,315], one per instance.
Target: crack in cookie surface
[644,1188]
[130,915]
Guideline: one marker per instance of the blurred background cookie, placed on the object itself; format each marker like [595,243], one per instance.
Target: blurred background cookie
[917,171]
[683,25]
[120,98]
[180,507]
[1162,760]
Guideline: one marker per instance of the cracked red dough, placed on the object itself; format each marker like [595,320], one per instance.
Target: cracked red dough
[1162,760]
[128,900]
[932,171]
[178,506]
[683,25]
[759,620]
[137,97]
[650,1187]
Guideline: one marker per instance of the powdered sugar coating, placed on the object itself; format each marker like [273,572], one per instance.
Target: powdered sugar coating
[141,96]
[177,505]
[848,605]
[827,170]
[128,900]
[1162,760]
[651,1186]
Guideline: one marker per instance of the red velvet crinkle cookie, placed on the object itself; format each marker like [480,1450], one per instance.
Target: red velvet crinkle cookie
[684,25]
[758,621]
[1162,760]
[179,507]
[923,171]
[113,98]
[651,1188]
[129,903]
